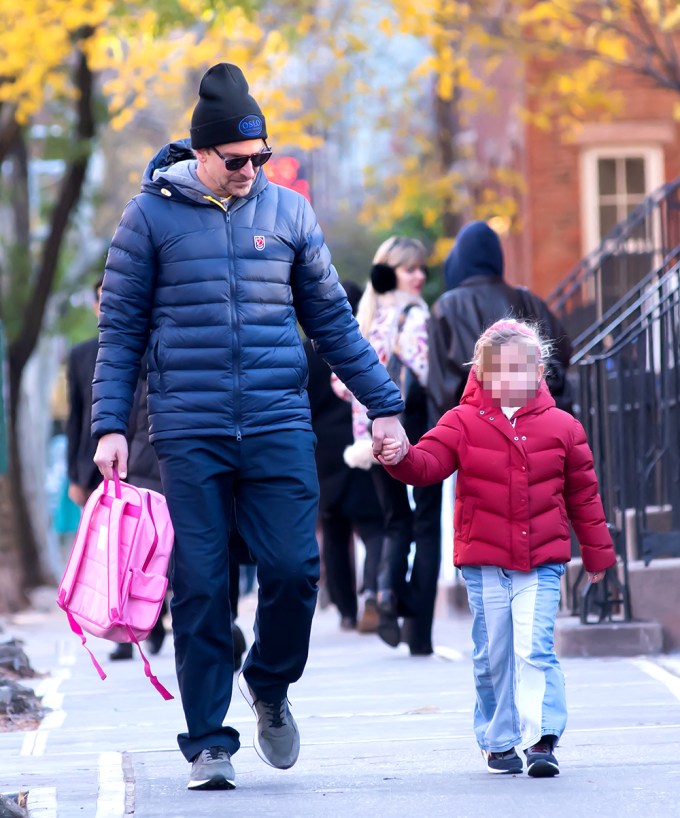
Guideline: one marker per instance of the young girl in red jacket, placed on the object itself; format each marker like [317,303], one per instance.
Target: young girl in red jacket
[524,471]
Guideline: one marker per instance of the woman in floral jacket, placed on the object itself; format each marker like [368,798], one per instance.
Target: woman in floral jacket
[393,316]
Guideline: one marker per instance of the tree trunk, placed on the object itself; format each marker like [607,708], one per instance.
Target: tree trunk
[447,127]
[28,549]
[11,580]
[22,346]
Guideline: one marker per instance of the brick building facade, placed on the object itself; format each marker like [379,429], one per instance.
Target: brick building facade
[578,188]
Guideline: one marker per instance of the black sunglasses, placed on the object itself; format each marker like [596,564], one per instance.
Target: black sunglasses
[238,162]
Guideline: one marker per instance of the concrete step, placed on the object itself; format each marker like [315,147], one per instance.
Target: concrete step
[607,638]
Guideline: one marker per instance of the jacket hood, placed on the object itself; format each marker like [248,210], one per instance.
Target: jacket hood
[174,166]
[476,395]
[477,252]
[167,156]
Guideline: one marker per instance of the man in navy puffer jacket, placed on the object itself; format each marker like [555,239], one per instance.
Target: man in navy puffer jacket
[209,271]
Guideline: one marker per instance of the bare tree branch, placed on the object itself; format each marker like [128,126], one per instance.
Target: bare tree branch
[648,29]
[673,55]
[650,60]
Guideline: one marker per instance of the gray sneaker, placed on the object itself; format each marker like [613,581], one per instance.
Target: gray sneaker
[276,740]
[211,769]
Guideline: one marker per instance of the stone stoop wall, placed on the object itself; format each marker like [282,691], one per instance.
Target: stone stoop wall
[654,594]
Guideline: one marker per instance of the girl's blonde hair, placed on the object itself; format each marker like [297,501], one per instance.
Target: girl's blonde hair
[401,251]
[509,330]
[397,251]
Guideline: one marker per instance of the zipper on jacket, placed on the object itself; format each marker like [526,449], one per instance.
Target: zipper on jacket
[236,357]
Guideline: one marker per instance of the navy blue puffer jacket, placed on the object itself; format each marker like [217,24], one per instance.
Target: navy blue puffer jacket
[214,295]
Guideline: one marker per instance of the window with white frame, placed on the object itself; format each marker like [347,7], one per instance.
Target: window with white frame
[614,181]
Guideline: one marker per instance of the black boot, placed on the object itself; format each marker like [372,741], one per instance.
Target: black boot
[388,624]
[419,644]
[122,651]
[156,637]
[239,645]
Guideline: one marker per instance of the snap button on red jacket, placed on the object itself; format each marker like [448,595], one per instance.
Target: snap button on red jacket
[519,483]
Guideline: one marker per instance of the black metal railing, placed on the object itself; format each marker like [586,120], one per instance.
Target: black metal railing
[624,257]
[628,376]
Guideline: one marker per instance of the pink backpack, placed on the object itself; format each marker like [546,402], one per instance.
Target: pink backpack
[116,577]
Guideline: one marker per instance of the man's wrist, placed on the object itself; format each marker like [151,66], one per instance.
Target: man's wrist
[100,435]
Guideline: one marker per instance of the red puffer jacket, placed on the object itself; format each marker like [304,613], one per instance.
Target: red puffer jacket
[518,483]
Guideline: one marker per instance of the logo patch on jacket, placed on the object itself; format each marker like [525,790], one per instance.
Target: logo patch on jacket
[259,242]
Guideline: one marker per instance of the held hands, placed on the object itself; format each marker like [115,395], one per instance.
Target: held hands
[389,429]
[595,576]
[112,450]
[391,453]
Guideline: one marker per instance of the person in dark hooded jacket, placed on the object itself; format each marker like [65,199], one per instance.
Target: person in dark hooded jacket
[476,297]
[210,270]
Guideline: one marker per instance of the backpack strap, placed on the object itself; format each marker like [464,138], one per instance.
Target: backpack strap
[115,517]
[404,315]
[75,627]
[165,693]
[117,510]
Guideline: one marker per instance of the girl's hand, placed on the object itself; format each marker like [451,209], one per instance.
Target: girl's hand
[595,576]
[392,452]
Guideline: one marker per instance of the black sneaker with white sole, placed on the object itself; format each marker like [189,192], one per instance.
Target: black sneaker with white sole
[508,763]
[212,769]
[541,761]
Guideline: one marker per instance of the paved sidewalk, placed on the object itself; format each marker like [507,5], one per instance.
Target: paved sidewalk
[383,735]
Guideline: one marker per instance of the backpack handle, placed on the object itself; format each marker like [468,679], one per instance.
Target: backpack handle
[116,483]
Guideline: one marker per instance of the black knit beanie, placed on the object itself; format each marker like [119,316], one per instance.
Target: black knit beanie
[225,111]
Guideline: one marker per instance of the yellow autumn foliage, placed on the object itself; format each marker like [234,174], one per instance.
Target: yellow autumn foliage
[141,55]
[144,58]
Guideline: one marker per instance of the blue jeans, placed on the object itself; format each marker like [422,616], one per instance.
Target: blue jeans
[518,679]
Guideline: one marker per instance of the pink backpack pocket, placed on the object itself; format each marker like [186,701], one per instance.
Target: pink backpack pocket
[116,576]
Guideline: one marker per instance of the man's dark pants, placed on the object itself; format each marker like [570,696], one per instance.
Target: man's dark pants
[271,479]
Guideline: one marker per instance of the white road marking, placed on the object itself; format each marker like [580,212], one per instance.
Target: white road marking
[28,743]
[42,802]
[53,720]
[111,794]
[35,741]
[671,681]
[451,654]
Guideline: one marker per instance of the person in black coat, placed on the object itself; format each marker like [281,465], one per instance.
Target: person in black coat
[476,297]
[83,474]
[347,499]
